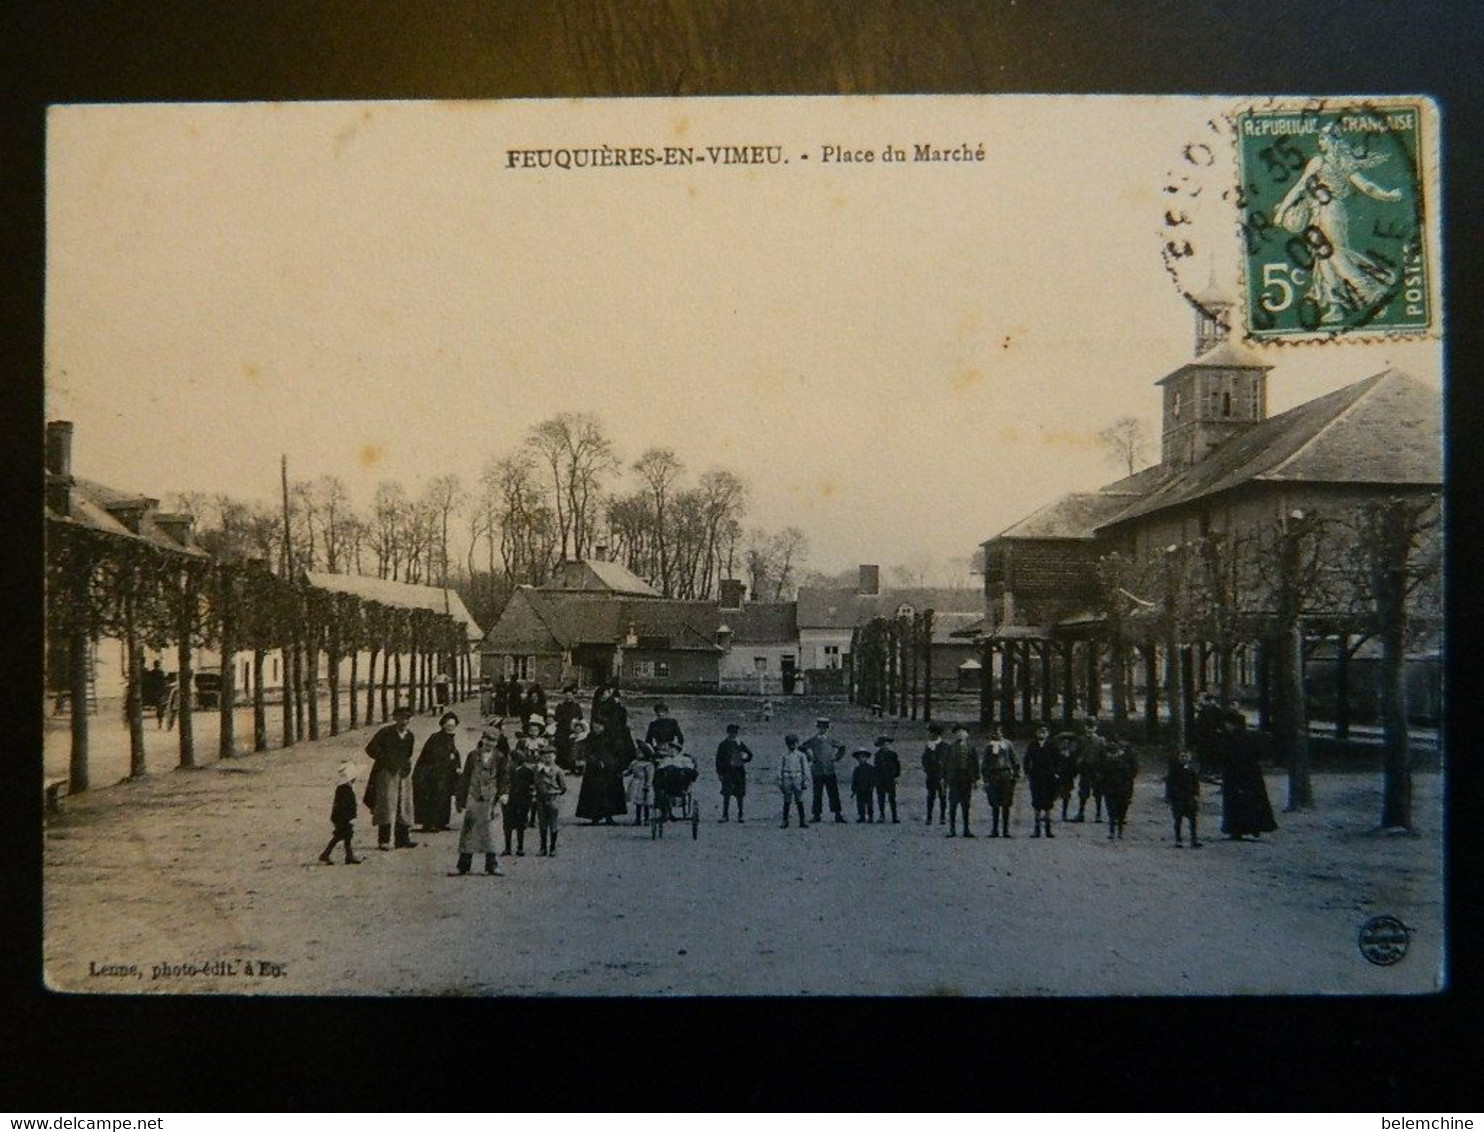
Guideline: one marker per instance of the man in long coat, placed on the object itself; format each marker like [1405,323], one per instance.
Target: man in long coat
[961,771]
[390,788]
[1044,769]
[732,757]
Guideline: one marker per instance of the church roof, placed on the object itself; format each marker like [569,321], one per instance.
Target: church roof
[1073,516]
[594,575]
[1385,429]
[1226,354]
[400,595]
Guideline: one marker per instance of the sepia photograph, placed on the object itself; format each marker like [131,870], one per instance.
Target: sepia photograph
[631,547]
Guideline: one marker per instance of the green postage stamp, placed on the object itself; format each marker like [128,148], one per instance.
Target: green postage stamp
[1332,208]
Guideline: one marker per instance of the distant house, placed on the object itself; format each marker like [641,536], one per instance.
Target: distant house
[762,644]
[828,618]
[597,621]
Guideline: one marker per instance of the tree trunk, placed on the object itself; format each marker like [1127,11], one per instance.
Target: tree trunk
[1024,671]
[1007,682]
[355,664]
[386,675]
[286,667]
[1396,796]
[1263,666]
[79,671]
[227,690]
[259,707]
[1046,681]
[186,684]
[133,700]
[1094,681]
[396,679]
[1174,690]
[297,654]
[311,678]
[1293,733]
[1225,656]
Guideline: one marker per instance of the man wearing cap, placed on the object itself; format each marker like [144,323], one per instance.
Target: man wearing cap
[824,753]
[793,775]
[390,787]
[1043,769]
[961,772]
[1091,750]
[732,757]
[888,770]
[932,768]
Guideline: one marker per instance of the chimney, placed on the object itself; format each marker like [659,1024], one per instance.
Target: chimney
[59,467]
[870,581]
[732,590]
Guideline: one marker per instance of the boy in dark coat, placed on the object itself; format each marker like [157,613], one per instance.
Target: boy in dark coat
[343,816]
[888,769]
[1119,769]
[863,786]
[732,757]
[1183,793]
[932,768]
[1043,767]
[961,773]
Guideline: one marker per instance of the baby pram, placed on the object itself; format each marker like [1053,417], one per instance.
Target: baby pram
[673,779]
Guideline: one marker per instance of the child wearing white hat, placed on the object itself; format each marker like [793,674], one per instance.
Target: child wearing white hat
[343,816]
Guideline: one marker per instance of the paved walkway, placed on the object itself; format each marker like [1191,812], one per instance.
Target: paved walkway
[210,875]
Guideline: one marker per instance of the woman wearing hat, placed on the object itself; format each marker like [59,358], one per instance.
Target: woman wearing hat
[435,777]
[601,796]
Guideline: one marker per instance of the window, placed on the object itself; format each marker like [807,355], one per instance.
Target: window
[1175,405]
[832,656]
[649,669]
[1226,404]
[521,667]
[275,669]
[760,664]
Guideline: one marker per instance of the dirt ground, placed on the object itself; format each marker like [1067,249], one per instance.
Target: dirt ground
[216,868]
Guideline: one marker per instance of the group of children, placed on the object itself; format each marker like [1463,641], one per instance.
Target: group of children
[525,781]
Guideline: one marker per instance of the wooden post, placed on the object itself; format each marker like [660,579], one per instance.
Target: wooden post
[1046,680]
[1068,681]
[927,665]
[312,633]
[1007,682]
[1118,677]
[1188,670]
[1151,691]
[1094,681]
[986,684]
[1342,686]
[1025,680]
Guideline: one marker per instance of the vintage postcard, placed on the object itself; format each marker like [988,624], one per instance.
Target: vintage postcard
[672,547]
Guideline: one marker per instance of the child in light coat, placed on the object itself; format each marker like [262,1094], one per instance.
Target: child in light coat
[639,781]
[794,777]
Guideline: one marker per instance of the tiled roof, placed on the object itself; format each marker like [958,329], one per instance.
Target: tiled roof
[825,608]
[947,626]
[572,619]
[592,575]
[1073,516]
[1385,429]
[759,623]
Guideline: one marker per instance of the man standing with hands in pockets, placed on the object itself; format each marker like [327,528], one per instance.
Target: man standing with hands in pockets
[824,752]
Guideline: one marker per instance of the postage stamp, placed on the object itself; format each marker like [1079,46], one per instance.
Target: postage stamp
[1332,206]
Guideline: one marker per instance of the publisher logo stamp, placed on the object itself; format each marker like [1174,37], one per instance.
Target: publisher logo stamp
[1332,227]
[1383,940]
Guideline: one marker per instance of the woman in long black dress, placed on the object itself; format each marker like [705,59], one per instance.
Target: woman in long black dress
[601,797]
[436,776]
[1245,808]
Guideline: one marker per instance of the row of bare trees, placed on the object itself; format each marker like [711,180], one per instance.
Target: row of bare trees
[1354,572]
[558,495]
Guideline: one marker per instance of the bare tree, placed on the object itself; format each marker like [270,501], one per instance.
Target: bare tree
[580,457]
[791,554]
[1126,443]
[660,469]
[445,496]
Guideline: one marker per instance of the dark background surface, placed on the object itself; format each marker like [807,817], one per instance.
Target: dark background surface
[73,1054]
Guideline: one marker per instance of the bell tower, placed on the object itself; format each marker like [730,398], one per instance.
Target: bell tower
[1223,392]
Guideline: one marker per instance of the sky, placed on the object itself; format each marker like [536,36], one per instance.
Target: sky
[900,358]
